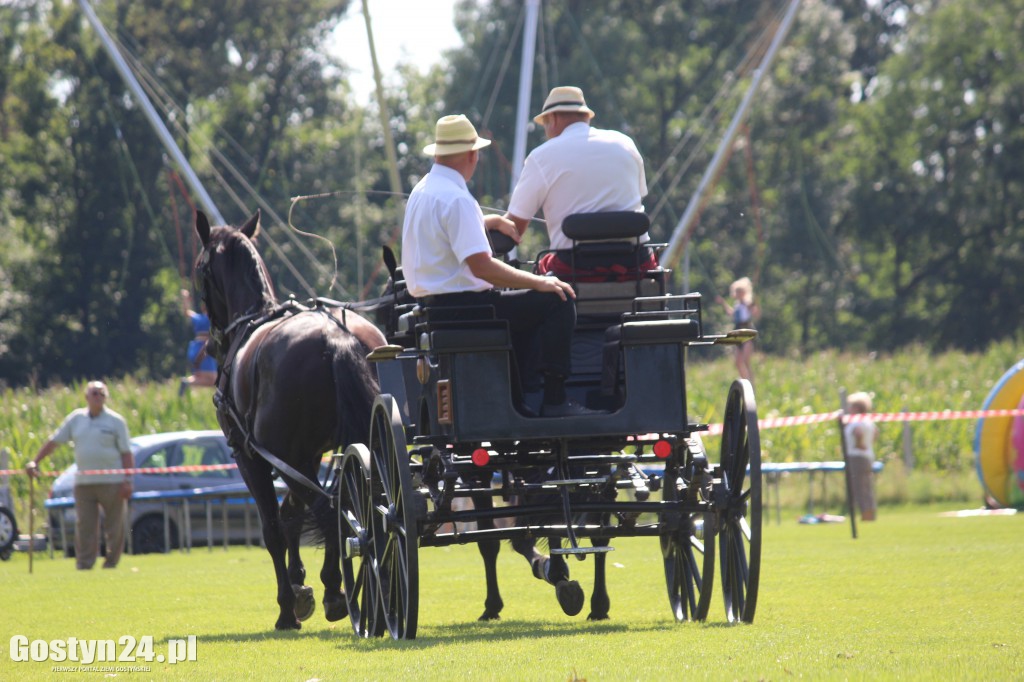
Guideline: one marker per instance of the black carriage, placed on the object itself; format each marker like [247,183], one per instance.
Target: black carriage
[449,424]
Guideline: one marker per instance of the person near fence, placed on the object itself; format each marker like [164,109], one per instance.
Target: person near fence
[860,439]
[580,169]
[447,262]
[202,366]
[744,313]
[100,439]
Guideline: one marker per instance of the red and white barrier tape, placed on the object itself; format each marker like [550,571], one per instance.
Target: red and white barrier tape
[932,416]
[182,469]
[804,419]
[713,430]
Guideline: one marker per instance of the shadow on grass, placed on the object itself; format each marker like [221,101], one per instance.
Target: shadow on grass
[431,636]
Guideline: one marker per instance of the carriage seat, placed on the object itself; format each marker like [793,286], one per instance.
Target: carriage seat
[607,264]
[640,333]
[460,329]
[467,339]
[655,331]
[606,247]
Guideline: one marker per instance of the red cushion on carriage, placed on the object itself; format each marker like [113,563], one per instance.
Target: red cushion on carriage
[599,265]
[606,248]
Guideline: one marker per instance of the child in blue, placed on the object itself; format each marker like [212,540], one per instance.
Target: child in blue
[204,367]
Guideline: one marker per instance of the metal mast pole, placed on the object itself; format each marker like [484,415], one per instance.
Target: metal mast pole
[382,106]
[669,256]
[154,119]
[525,86]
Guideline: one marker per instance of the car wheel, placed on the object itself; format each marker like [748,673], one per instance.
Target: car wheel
[148,535]
[8,530]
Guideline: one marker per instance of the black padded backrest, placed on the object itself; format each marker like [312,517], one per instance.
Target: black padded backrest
[607,225]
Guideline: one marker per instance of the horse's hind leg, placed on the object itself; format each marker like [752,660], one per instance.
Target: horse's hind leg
[335,606]
[599,601]
[553,570]
[293,517]
[568,592]
[257,476]
[489,550]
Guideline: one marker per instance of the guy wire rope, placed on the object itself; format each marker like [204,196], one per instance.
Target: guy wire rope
[167,105]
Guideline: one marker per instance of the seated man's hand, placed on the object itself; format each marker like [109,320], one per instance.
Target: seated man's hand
[503,225]
[556,286]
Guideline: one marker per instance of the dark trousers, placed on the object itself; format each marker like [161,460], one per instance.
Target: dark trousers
[541,324]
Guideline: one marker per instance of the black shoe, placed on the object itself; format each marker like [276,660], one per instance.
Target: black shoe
[568,409]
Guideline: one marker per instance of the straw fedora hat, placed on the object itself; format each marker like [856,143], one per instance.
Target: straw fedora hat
[563,98]
[453,135]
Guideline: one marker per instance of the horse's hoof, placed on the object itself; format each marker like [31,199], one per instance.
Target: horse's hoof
[335,609]
[488,615]
[305,604]
[597,616]
[287,624]
[570,596]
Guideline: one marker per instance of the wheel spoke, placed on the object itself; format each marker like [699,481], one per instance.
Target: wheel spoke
[745,528]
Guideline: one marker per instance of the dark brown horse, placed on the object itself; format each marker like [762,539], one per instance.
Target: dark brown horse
[294,384]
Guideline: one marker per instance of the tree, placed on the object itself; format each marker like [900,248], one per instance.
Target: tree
[939,211]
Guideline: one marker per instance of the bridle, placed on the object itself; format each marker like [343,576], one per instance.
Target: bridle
[220,337]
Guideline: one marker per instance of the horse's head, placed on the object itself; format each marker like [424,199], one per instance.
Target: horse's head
[230,276]
[395,299]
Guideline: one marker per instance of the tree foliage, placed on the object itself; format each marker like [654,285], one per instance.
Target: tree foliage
[874,191]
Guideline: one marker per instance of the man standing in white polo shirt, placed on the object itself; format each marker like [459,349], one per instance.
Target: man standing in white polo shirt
[580,169]
[100,438]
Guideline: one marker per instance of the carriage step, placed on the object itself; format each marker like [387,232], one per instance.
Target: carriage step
[582,550]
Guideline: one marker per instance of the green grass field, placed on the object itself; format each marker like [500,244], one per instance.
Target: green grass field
[916,596]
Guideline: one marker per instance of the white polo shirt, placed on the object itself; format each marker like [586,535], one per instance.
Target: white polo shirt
[583,170]
[443,226]
[99,442]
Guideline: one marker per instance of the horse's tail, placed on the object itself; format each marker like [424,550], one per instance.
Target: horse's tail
[355,389]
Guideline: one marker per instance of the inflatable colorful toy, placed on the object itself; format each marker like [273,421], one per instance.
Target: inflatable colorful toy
[999,442]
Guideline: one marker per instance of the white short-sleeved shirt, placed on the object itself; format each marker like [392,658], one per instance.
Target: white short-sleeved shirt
[868,430]
[99,442]
[443,226]
[583,170]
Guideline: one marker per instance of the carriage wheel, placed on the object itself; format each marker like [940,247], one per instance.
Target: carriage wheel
[398,511]
[689,554]
[358,555]
[740,520]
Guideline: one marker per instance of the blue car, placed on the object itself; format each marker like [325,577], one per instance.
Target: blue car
[223,489]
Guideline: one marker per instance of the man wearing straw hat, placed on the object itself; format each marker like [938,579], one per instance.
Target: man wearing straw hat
[447,261]
[100,437]
[580,169]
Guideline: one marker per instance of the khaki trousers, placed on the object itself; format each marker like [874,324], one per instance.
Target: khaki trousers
[862,480]
[89,499]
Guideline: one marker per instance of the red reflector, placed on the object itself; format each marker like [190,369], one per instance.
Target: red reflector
[481,457]
[662,449]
